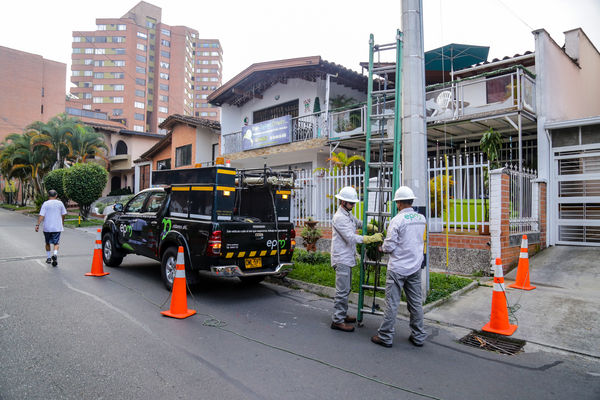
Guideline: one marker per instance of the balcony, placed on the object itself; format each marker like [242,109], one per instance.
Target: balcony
[120,162]
[480,96]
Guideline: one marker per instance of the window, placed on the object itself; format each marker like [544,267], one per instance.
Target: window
[204,87]
[204,79]
[117,111]
[87,73]
[205,62]
[164,87]
[204,114]
[165,54]
[165,43]
[118,39]
[118,88]
[76,51]
[101,27]
[138,128]
[163,164]
[135,204]
[212,114]
[138,104]
[160,120]
[117,99]
[204,96]
[89,39]
[121,148]
[183,155]
[88,62]
[150,24]
[98,100]
[89,51]
[140,81]
[139,93]
[121,27]
[165,32]
[142,35]
[214,53]
[164,98]
[163,109]
[178,206]
[289,108]
[201,202]
[155,201]
[141,47]
[164,65]
[87,106]
[100,39]
[213,88]
[139,58]
[119,63]
[99,63]
[214,62]
[99,87]
[98,75]
[77,39]
[118,75]
[164,76]
[214,79]
[87,96]
[119,51]
[140,70]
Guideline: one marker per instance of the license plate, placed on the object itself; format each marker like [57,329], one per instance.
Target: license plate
[253,262]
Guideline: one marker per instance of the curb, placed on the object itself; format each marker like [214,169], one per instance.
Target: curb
[326,291]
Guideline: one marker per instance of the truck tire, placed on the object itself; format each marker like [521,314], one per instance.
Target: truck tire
[168,266]
[252,280]
[110,255]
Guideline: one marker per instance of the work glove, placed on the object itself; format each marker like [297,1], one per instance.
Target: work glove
[378,237]
[372,228]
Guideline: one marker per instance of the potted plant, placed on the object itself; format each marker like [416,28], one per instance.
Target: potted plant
[311,234]
[490,143]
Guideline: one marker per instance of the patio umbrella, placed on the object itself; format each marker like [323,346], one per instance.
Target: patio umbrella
[454,56]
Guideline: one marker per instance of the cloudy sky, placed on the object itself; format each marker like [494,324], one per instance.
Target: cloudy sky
[263,30]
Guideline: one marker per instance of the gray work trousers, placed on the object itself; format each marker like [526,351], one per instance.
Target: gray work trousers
[394,284]
[343,282]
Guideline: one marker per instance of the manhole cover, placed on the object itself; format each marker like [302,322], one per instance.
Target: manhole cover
[490,342]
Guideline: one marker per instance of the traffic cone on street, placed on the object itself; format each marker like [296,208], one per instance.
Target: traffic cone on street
[97,259]
[499,317]
[522,281]
[178,296]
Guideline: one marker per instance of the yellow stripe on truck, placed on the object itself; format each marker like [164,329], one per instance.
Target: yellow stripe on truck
[241,254]
[263,253]
[226,188]
[225,171]
[252,253]
[229,255]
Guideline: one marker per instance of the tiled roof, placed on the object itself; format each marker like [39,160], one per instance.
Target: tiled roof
[174,119]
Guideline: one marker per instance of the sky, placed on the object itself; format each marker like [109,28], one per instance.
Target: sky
[338,31]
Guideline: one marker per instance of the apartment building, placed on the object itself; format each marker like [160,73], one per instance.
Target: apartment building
[139,70]
[32,88]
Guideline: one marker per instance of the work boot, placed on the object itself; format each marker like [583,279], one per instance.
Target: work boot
[350,320]
[48,260]
[54,261]
[377,340]
[341,326]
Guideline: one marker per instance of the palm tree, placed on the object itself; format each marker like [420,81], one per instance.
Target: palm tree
[85,143]
[23,159]
[55,135]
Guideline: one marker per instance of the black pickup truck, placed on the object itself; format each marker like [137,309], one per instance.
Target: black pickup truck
[230,223]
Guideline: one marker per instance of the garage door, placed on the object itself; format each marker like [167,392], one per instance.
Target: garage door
[577,170]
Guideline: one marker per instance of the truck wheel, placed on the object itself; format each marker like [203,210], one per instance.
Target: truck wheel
[110,256]
[168,267]
[252,280]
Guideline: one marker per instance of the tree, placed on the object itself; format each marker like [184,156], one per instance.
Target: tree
[55,136]
[55,180]
[84,184]
[85,143]
[23,160]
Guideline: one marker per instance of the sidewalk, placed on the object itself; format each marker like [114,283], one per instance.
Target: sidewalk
[561,313]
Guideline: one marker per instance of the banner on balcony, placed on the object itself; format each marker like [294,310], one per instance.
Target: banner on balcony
[267,133]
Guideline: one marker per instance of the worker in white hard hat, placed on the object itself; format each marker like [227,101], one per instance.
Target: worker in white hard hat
[343,255]
[404,243]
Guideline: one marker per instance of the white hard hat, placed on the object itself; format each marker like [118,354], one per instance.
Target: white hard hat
[404,193]
[348,194]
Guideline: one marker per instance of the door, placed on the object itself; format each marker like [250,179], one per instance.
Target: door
[149,226]
[577,194]
[130,223]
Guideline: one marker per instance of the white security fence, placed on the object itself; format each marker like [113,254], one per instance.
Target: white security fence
[523,212]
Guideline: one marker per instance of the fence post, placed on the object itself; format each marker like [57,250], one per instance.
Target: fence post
[495,213]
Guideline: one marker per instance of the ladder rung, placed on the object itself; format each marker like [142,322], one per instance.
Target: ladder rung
[379,189]
[371,287]
[381,164]
[383,116]
[388,69]
[386,46]
[370,311]
[382,92]
[384,139]
[378,214]
[371,262]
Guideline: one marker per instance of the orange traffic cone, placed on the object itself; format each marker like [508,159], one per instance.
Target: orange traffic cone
[97,260]
[178,296]
[499,318]
[523,268]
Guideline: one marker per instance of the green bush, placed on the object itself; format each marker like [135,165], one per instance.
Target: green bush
[120,192]
[311,257]
[84,184]
[39,200]
[55,180]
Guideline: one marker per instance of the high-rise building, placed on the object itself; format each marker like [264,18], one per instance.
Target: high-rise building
[32,88]
[140,70]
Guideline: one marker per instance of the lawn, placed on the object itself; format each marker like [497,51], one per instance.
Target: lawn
[73,221]
[15,207]
[316,268]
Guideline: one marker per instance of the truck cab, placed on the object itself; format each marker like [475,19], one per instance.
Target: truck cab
[230,223]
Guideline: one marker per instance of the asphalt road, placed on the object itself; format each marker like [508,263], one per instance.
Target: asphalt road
[67,336]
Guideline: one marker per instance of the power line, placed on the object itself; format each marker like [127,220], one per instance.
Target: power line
[515,15]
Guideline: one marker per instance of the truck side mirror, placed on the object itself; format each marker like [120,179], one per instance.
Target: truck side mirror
[118,207]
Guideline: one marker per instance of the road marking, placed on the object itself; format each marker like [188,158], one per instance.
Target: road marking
[4,316]
[594,373]
[107,304]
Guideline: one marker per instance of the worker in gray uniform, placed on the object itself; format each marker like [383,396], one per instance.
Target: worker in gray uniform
[343,255]
[404,243]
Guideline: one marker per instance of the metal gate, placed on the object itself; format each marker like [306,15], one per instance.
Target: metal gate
[577,191]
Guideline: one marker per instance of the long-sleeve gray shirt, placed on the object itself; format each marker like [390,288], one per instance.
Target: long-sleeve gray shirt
[404,242]
[344,237]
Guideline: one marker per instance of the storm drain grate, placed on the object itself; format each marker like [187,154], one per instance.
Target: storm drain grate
[496,344]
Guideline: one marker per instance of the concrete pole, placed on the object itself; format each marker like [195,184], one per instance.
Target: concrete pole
[414,123]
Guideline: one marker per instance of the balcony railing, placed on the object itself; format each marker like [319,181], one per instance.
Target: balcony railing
[481,95]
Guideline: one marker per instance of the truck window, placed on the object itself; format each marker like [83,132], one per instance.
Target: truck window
[135,204]
[255,203]
[224,202]
[155,201]
[179,202]
[201,201]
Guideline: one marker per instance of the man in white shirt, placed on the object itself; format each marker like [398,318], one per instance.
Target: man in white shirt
[404,242]
[52,213]
[343,255]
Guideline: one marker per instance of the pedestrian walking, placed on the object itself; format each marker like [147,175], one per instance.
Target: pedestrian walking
[404,243]
[343,255]
[52,213]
